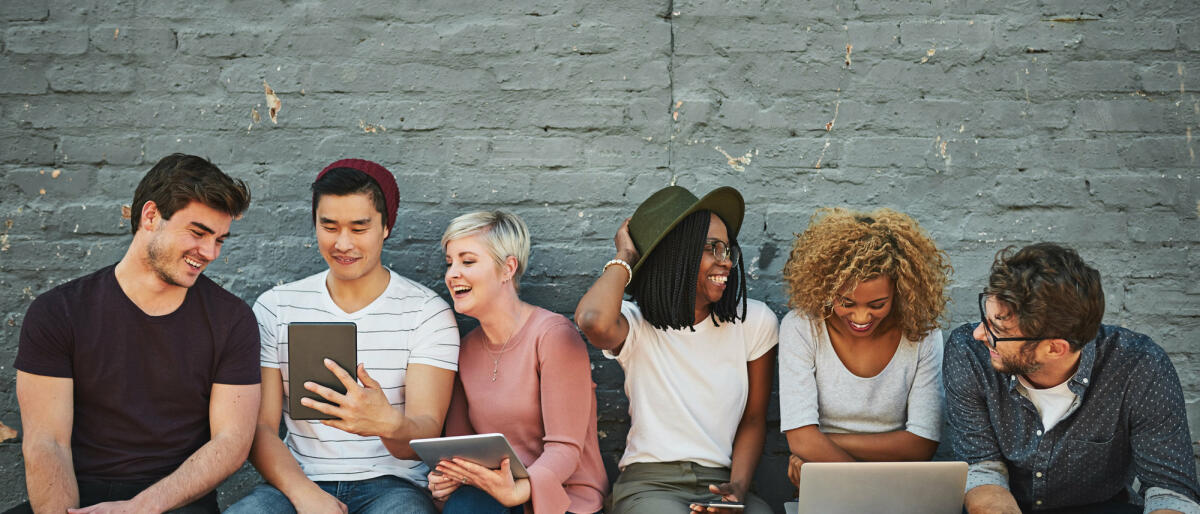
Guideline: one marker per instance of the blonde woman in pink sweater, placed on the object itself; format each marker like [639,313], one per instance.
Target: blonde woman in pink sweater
[524,373]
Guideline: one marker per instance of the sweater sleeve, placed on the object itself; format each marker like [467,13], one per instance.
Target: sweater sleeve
[567,394]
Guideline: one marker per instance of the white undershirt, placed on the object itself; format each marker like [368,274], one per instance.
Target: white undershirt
[1052,403]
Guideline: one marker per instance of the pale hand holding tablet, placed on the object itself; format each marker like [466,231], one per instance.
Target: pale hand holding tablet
[485,461]
[362,410]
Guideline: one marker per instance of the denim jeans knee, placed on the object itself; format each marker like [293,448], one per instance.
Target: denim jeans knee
[470,499]
[264,498]
[386,495]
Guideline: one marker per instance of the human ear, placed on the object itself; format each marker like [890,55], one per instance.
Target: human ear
[510,267]
[149,215]
[1058,348]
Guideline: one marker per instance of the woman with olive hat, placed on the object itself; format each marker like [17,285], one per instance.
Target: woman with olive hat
[697,354]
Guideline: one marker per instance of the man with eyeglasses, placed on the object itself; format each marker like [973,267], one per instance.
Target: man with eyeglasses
[1056,412]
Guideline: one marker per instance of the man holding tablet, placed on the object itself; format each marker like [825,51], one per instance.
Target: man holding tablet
[1054,411]
[407,354]
[137,382]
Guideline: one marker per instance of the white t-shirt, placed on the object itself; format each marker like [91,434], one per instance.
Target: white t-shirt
[1053,403]
[687,390]
[407,324]
[816,388]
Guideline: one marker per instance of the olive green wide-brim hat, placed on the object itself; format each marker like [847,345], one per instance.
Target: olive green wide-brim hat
[660,213]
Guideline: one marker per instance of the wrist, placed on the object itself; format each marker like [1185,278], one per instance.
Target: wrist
[144,502]
[520,493]
[397,427]
[628,256]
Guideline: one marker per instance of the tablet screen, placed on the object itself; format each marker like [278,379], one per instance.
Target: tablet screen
[309,344]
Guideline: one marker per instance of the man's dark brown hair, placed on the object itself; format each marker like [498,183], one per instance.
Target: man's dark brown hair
[179,179]
[1053,293]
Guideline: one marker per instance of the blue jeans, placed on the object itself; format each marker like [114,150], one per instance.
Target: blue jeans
[379,495]
[471,500]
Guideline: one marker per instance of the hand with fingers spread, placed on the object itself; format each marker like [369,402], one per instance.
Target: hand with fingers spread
[730,493]
[498,483]
[362,410]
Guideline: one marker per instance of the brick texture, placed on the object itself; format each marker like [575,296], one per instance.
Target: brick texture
[992,123]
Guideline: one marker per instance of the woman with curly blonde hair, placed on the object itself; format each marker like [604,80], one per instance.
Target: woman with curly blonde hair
[860,352]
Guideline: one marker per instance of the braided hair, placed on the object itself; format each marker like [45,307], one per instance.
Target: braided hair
[665,286]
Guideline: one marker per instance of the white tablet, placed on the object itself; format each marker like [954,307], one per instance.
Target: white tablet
[487,450]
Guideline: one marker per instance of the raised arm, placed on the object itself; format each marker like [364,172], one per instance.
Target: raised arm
[366,411]
[428,391]
[47,414]
[599,311]
[231,410]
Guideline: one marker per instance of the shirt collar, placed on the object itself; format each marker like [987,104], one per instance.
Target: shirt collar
[1082,378]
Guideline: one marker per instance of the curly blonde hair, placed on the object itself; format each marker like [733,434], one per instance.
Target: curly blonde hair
[842,248]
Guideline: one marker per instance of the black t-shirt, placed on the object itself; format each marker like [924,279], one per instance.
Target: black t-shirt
[142,383]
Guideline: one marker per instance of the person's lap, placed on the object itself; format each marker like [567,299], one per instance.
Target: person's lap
[671,487]
[472,500]
[377,495]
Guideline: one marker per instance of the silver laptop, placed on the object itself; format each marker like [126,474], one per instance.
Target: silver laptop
[886,487]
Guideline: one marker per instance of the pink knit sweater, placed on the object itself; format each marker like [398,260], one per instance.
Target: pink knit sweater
[544,402]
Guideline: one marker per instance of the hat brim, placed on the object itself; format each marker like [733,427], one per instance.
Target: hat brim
[726,202]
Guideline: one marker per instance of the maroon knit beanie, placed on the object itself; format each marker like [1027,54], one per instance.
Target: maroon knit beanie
[381,176]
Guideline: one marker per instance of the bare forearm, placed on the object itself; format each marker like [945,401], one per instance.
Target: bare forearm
[416,427]
[898,445]
[747,449]
[271,457]
[50,477]
[199,474]
[811,445]
[990,499]
[599,310]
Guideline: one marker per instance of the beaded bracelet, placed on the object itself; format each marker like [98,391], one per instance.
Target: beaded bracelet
[623,263]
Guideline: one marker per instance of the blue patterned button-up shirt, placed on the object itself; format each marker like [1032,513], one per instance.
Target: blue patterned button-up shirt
[1128,420]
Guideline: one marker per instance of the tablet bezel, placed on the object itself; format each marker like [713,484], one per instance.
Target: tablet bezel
[486,450]
[310,343]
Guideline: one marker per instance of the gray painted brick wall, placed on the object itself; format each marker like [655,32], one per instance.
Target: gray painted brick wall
[992,123]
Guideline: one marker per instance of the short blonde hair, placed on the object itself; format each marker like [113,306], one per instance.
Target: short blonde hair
[504,234]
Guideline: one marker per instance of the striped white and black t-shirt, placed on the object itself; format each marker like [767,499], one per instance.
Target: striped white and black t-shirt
[407,324]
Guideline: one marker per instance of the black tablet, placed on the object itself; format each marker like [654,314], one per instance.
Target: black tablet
[309,344]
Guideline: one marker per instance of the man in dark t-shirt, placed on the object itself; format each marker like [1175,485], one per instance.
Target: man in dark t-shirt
[138,383]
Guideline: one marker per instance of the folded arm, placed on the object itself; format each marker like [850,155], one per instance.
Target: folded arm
[897,445]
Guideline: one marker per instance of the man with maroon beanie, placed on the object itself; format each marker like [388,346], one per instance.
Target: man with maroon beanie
[137,383]
[407,352]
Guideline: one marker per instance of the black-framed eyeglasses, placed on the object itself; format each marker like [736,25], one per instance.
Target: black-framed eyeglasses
[987,327]
[722,251]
